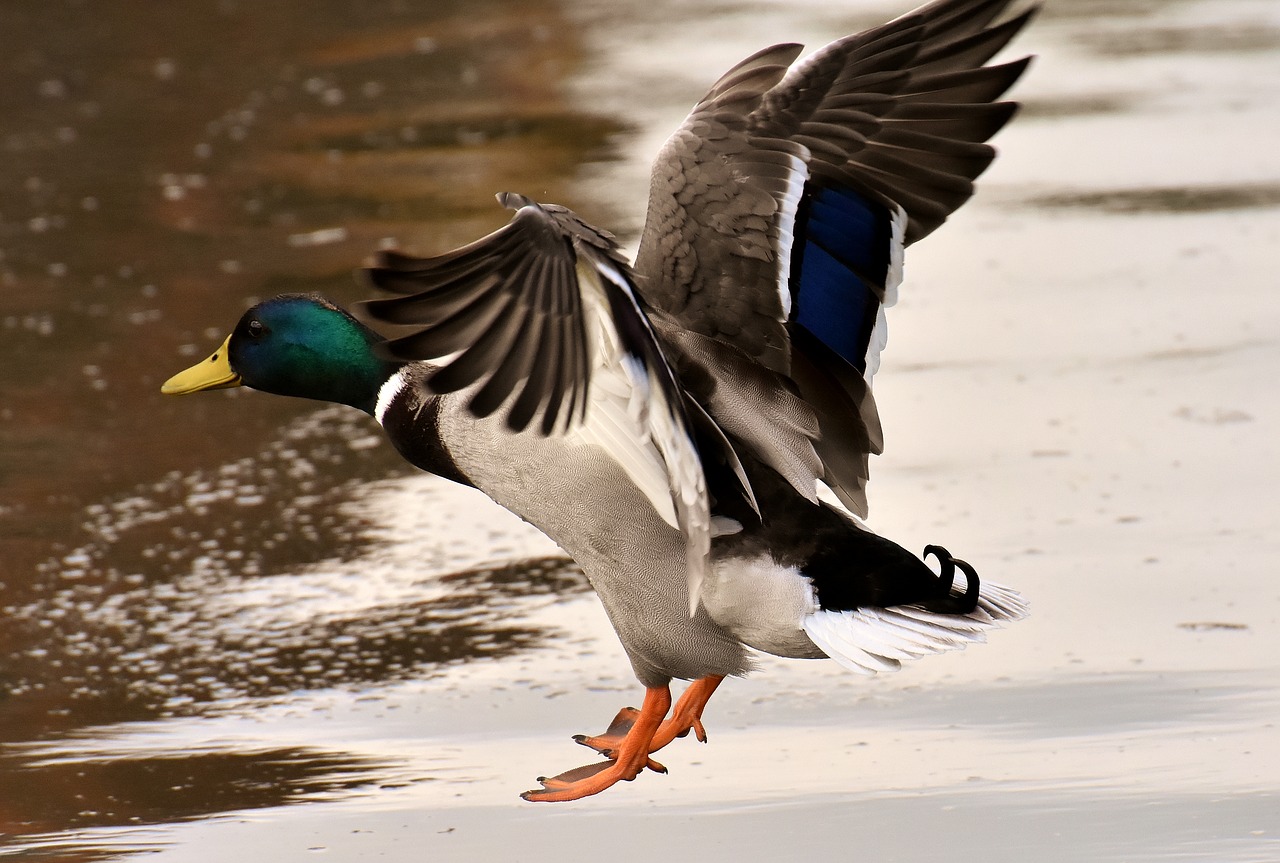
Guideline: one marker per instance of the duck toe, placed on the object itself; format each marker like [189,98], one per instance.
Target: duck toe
[607,744]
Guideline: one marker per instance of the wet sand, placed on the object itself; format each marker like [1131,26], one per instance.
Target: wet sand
[289,647]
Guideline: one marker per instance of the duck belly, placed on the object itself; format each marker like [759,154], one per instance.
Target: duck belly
[763,604]
[580,497]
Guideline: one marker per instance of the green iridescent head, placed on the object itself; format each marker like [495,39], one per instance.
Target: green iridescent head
[295,345]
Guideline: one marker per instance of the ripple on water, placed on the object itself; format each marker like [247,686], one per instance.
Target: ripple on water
[174,607]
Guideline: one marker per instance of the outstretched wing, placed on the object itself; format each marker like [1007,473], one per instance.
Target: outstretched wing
[540,319]
[779,211]
[508,308]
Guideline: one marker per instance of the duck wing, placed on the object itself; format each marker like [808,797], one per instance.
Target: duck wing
[540,319]
[780,209]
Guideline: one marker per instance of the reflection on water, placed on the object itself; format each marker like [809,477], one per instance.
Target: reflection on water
[172,606]
[148,652]
[125,627]
[152,187]
[159,172]
[70,794]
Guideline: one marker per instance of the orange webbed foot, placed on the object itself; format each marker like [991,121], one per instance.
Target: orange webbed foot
[607,744]
[630,739]
[586,780]
[631,755]
[686,717]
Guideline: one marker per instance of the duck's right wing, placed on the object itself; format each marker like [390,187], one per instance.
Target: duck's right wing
[540,324]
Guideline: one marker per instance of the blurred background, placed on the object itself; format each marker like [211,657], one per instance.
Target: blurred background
[234,603]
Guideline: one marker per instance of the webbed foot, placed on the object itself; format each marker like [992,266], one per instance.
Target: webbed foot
[631,755]
[686,717]
[607,744]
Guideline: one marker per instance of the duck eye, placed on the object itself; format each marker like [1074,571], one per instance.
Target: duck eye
[256,329]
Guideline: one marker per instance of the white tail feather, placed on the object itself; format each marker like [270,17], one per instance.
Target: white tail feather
[867,640]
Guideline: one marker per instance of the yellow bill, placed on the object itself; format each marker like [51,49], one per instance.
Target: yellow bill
[212,374]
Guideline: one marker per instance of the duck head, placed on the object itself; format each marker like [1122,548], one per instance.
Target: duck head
[295,345]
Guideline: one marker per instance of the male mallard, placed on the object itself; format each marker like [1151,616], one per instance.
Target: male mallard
[669,425]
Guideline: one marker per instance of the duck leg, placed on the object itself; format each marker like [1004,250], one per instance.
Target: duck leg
[688,713]
[686,717]
[632,756]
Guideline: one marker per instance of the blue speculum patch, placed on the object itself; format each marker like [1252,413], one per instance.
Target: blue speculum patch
[844,242]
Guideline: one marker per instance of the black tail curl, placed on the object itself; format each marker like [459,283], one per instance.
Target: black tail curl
[949,603]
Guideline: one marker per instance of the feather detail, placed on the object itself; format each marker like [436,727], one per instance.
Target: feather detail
[631,415]
[892,280]
[867,640]
[756,406]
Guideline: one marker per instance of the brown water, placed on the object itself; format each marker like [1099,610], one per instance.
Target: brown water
[235,624]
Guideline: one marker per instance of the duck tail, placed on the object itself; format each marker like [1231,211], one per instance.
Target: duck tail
[871,638]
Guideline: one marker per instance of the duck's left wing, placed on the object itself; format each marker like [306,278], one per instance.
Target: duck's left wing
[780,209]
[541,319]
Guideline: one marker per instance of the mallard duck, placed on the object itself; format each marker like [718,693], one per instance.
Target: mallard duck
[671,425]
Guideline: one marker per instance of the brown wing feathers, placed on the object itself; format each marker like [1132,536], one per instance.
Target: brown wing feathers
[898,115]
[903,109]
[508,305]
